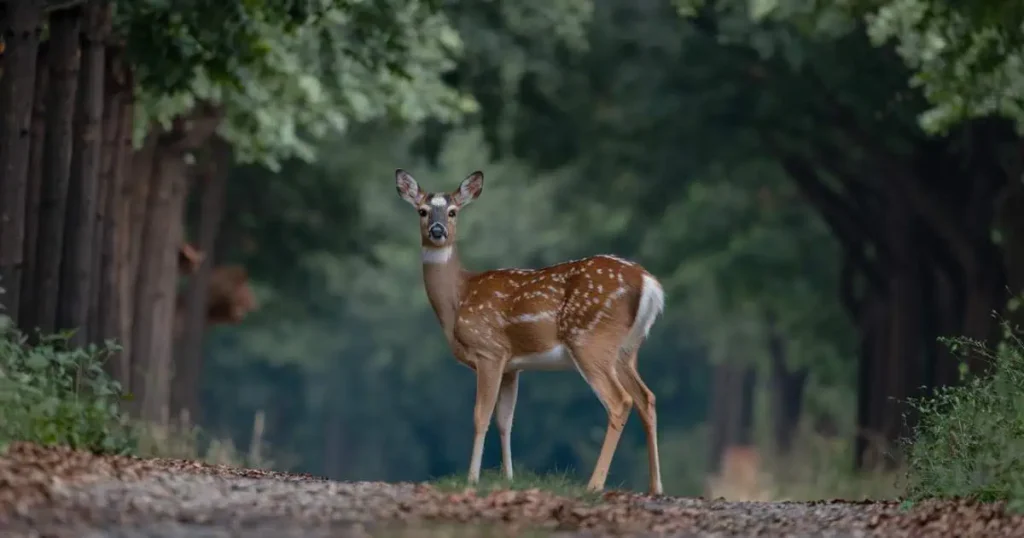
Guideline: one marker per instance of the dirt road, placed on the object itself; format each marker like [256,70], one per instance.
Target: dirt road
[61,493]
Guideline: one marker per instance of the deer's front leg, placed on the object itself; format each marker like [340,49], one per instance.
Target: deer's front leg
[506,409]
[488,381]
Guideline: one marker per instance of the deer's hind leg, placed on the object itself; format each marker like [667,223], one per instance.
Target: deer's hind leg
[596,363]
[507,394]
[644,400]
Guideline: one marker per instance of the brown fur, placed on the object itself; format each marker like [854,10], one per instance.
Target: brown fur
[586,307]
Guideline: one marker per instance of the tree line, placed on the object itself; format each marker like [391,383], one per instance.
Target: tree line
[115,115]
[824,190]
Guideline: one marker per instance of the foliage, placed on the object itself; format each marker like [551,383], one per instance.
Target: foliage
[970,439]
[285,74]
[966,57]
[54,396]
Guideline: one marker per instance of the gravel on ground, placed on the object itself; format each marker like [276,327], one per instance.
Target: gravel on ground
[57,492]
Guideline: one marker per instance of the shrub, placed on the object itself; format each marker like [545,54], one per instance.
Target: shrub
[969,440]
[53,395]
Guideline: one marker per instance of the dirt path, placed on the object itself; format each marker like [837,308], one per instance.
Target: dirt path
[52,492]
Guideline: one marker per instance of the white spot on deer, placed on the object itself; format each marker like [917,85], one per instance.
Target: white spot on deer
[533,318]
[438,201]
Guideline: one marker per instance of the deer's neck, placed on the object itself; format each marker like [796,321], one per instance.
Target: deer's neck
[444,280]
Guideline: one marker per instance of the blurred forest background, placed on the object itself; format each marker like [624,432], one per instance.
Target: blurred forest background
[824,188]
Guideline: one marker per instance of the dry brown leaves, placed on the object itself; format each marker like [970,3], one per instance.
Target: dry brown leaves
[31,475]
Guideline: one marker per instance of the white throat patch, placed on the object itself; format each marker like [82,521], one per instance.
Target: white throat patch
[437,255]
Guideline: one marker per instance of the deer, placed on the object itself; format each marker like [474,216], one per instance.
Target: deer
[590,315]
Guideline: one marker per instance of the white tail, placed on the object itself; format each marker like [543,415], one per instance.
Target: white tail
[591,314]
[652,303]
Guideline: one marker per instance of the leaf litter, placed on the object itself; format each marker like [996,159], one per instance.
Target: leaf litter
[60,492]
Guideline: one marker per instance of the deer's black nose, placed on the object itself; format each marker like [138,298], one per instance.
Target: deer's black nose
[437,231]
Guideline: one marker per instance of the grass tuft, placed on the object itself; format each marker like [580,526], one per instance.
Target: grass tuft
[561,483]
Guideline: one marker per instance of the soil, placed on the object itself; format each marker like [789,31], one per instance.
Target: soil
[58,492]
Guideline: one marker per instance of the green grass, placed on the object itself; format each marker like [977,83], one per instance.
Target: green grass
[561,483]
[969,441]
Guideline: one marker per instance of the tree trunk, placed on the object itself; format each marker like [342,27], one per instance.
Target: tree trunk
[787,390]
[80,220]
[152,330]
[116,279]
[27,311]
[64,63]
[732,409]
[17,86]
[874,331]
[189,349]
[134,196]
[117,127]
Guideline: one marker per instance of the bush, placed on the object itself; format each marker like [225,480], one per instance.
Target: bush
[969,441]
[51,395]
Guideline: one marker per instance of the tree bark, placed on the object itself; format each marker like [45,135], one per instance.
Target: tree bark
[83,184]
[787,390]
[157,276]
[106,299]
[155,293]
[64,65]
[189,349]
[134,196]
[116,279]
[27,311]
[17,86]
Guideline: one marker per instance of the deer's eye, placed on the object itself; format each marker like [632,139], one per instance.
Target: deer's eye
[451,213]
[423,212]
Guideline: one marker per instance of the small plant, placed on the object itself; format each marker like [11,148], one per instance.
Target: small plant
[969,441]
[53,395]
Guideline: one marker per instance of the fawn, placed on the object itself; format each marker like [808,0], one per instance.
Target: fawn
[591,314]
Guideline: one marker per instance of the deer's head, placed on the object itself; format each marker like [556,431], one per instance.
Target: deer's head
[438,211]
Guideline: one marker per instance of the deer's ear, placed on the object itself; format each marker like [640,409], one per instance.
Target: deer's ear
[470,189]
[408,189]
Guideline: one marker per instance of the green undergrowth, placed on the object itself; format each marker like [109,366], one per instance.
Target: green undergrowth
[561,483]
[53,395]
[969,441]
